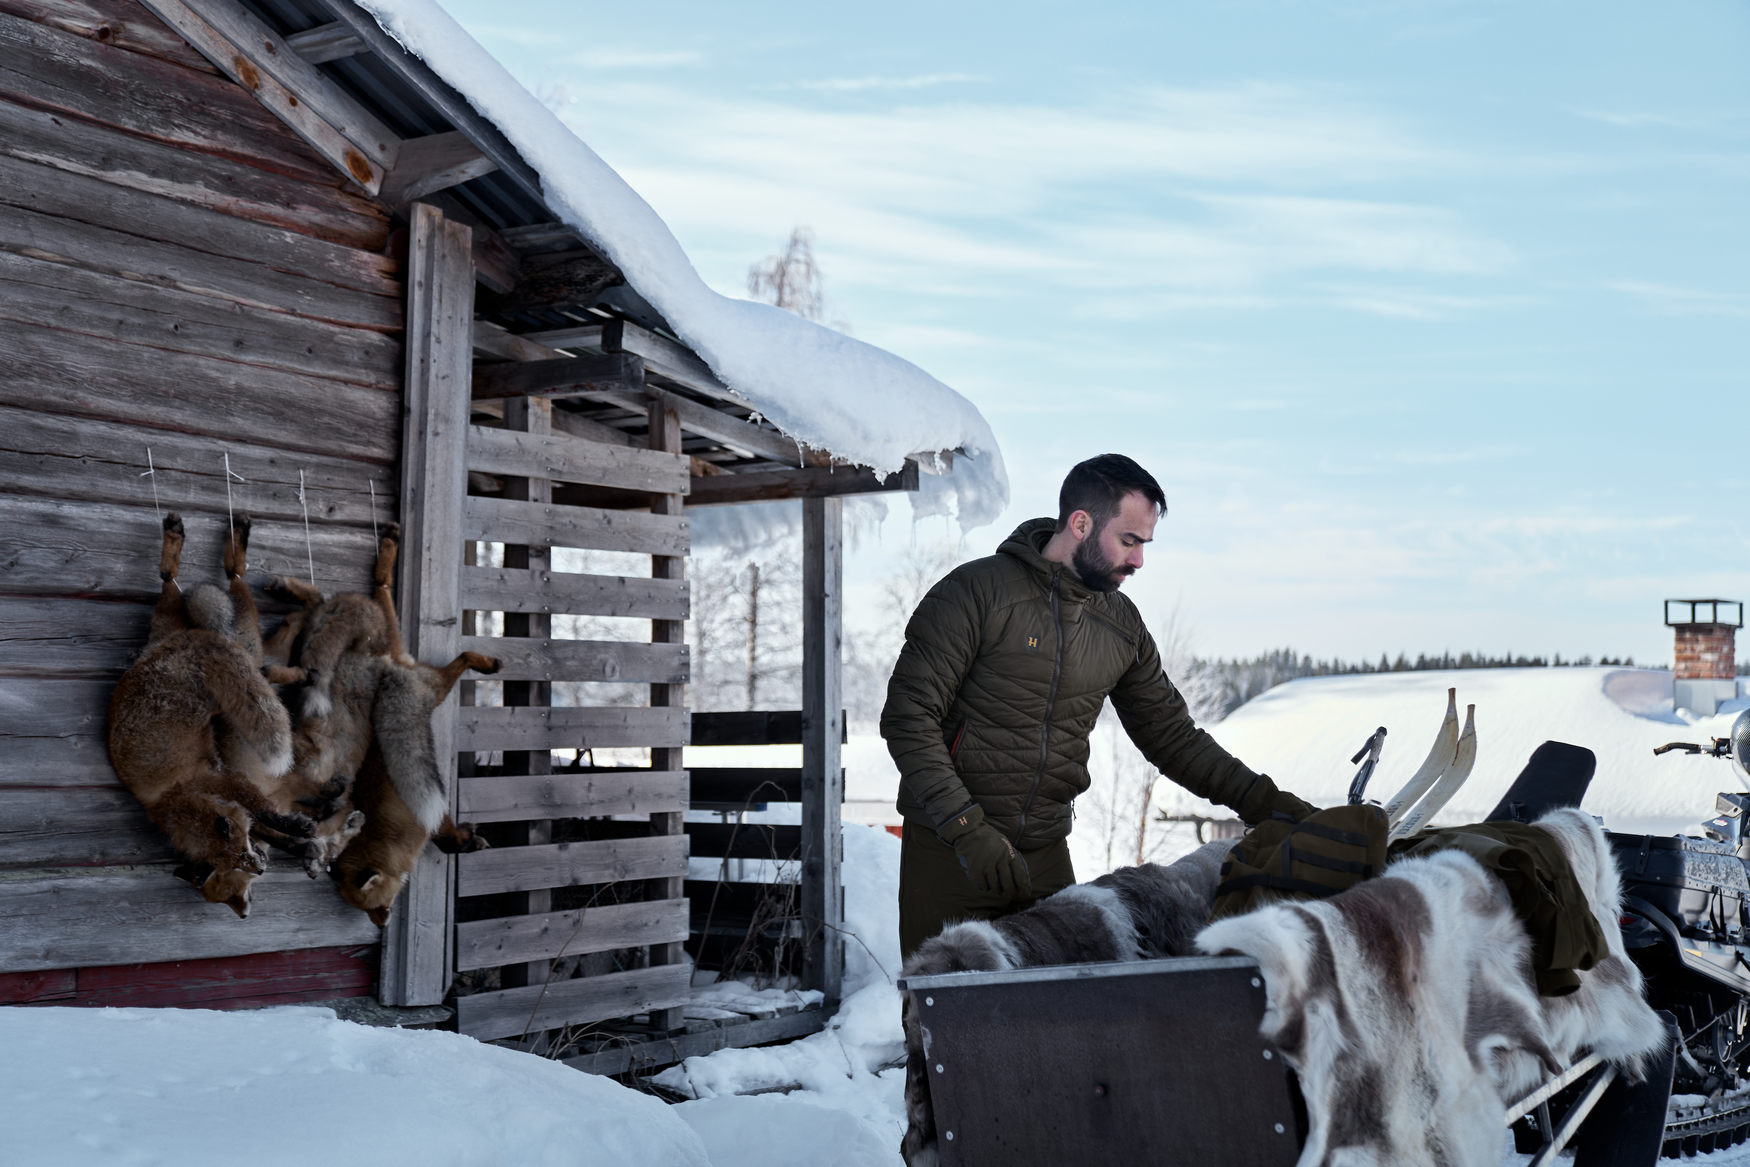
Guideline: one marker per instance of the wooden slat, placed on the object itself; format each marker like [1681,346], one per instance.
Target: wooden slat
[118,24]
[114,308]
[744,840]
[731,431]
[66,373]
[262,251]
[74,77]
[756,727]
[69,638]
[526,659]
[563,796]
[316,109]
[509,869]
[483,728]
[516,589]
[550,935]
[76,827]
[568,459]
[740,784]
[663,356]
[81,459]
[565,377]
[546,525]
[55,548]
[812,482]
[644,1056]
[219,184]
[512,1012]
[436,162]
[54,733]
[327,42]
[823,727]
[109,916]
[232,982]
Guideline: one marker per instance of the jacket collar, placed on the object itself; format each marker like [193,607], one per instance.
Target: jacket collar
[1027,545]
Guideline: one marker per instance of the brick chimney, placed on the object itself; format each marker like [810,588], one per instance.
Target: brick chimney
[1706,657]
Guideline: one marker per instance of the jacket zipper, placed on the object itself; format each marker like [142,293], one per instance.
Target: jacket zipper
[1050,704]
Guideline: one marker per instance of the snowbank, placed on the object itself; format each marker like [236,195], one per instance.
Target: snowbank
[825,389]
[1304,732]
[295,1086]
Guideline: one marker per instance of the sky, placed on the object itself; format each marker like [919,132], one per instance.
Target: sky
[1430,318]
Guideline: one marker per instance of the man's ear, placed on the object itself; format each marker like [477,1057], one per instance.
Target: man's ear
[1080,524]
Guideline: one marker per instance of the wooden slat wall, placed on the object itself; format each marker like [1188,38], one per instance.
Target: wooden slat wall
[525,870]
[177,271]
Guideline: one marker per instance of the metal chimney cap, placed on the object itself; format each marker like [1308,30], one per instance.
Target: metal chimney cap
[1691,612]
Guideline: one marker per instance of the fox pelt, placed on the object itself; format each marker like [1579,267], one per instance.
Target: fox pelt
[1134,913]
[1407,1007]
[194,730]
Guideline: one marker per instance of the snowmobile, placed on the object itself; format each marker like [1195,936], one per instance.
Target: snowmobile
[1149,1060]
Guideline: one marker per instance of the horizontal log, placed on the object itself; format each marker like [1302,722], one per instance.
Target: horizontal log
[812,482]
[514,1012]
[565,377]
[326,42]
[568,459]
[69,638]
[114,308]
[547,865]
[499,342]
[119,24]
[495,264]
[731,431]
[232,982]
[56,548]
[550,935]
[515,589]
[76,827]
[537,524]
[756,727]
[110,916]
[219,184]
[436,162]
[532,727]
[592,431]
[77,458]
[70,373]
[78,78]
[271,255]
[570,796]
[744,841]
[569,337]
[530,659]
[664,357]
[620,1058]
[737,785]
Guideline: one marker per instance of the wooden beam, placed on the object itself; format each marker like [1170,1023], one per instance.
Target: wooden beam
[495,265]
[496,520]
[666,357]
[510,589]
[557,796]
[538,237]
[549,935]
[568,459]
[509,869]
[777,842]
[814,482]
[117,24]
[593,431]
[326,42]
[575,336]
[665,436]
[513,1012]
[567,279]
[525,659]
[418,941]
[433,163]
[622,1057]
[823,897]
[528,727]
[565,377]
[731,431]
[495,340]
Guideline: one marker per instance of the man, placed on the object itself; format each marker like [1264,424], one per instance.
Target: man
[1007,662]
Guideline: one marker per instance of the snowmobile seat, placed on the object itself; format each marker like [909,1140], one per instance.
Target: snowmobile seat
[1130,1063]
[1556,776]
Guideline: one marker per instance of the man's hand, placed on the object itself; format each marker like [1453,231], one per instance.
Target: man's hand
[1264,802]
[990,860]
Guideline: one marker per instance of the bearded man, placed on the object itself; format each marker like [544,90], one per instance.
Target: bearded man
[1007,662]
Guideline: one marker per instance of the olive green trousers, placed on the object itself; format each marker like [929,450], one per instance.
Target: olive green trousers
[934,890]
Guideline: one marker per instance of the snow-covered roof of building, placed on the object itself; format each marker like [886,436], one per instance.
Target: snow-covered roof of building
[826,390]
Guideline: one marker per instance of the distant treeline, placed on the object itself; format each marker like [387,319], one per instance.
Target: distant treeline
[1234,682]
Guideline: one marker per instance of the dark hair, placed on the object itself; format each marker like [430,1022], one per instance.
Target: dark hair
[1099,485]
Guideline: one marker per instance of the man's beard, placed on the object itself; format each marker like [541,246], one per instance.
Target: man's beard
[1097,572]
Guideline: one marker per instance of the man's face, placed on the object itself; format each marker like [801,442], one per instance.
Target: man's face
[1109,555]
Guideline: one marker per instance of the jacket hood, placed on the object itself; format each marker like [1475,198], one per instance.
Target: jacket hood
[1027,544]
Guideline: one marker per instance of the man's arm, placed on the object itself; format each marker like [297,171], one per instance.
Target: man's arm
[941,641]
[1157,719]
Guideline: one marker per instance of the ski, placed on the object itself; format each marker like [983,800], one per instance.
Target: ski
[1440,758]
[1435,802]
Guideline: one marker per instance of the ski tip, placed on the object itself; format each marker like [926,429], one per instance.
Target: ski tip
[1452,696]
[1470,718]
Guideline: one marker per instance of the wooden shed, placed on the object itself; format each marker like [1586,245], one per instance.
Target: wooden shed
[255,255]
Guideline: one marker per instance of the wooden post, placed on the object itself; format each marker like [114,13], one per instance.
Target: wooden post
[417,942]
[665,434]
[823,897]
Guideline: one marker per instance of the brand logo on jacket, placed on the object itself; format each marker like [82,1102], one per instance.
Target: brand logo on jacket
[1033,643]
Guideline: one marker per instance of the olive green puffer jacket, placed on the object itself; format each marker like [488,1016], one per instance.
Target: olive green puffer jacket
[1007,662]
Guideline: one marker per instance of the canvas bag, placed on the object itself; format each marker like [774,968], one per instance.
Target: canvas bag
[1327,852]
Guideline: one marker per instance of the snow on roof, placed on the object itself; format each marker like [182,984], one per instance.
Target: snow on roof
[1303,733]
[826,390]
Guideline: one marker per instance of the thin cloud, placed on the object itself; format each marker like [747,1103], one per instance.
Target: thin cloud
[1673,301]
[923,81]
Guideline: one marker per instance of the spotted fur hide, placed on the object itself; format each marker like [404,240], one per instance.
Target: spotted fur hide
[1135,913]
[1406,1005]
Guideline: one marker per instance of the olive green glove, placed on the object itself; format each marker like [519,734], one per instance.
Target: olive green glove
[990,860]
[1264,802]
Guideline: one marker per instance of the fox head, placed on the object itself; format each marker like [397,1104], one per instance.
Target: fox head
[370,891]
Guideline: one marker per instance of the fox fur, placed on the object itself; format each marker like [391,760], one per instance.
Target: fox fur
[1134,913]
[1407,1007]
[193,725]
[348,624]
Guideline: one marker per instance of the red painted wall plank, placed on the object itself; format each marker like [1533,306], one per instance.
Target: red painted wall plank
[234,982]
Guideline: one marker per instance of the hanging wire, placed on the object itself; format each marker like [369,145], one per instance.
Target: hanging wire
[309,556]
[372,482]
[152,473]
[230,516]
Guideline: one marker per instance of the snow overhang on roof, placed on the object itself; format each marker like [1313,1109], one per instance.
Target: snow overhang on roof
[827,391]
